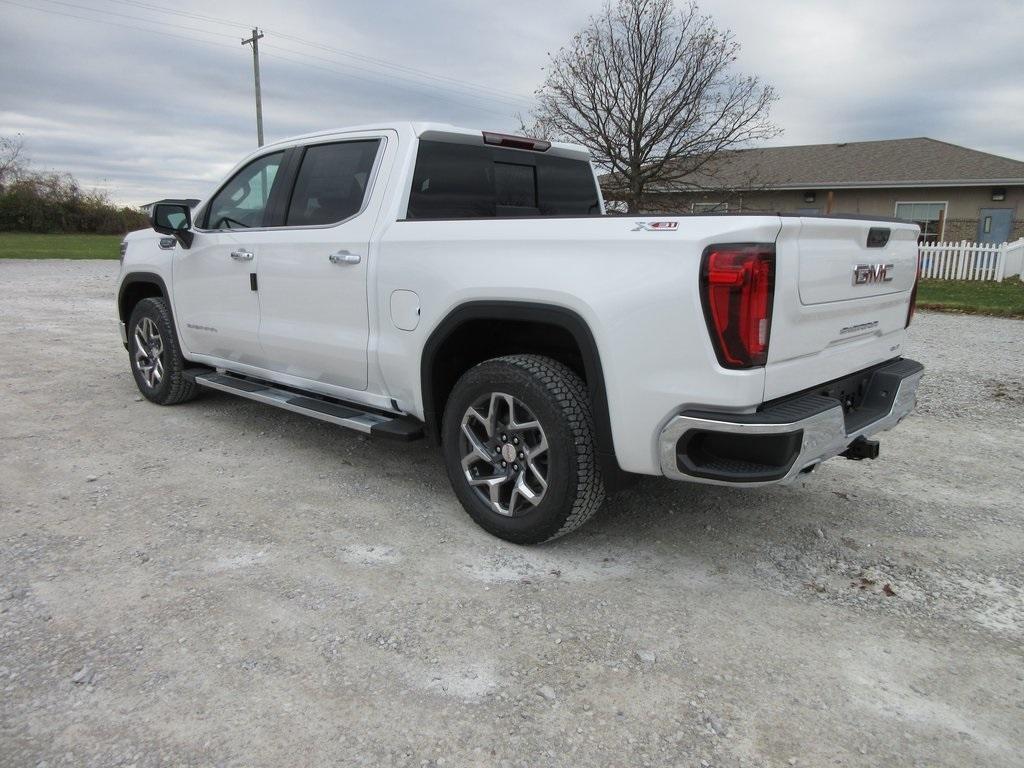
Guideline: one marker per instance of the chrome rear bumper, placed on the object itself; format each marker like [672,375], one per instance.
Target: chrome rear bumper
[781,441]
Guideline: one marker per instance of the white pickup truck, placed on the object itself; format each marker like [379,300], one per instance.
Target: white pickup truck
[419,279]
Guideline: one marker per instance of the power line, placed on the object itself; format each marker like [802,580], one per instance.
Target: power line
[372,81]
[112,23]
[520,103]
[188,14]
[143,19]
[471,104]
[486,91]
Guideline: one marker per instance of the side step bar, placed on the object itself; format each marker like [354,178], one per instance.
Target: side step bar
[351,416]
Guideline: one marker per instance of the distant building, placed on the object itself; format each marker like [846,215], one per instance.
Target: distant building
[952,192]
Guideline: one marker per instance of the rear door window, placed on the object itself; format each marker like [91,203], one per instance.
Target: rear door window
[468,181]
[332,182]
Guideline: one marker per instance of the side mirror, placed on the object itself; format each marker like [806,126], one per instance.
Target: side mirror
[174,217]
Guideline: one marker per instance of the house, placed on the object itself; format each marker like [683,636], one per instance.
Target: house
[952,192]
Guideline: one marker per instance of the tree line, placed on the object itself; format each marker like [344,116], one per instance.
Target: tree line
[49,202]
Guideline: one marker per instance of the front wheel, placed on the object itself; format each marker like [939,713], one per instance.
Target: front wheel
[157,363]
[518,440]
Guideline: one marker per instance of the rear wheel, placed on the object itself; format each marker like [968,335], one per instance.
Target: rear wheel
[518,437]
[156,359]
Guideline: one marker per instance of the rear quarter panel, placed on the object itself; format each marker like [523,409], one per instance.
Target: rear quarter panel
[637,291]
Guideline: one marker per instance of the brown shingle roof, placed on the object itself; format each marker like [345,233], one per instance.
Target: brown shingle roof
[891,163]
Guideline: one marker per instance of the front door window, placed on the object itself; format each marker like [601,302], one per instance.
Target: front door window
[242,202]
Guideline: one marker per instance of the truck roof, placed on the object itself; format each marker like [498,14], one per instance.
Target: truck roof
[423,129]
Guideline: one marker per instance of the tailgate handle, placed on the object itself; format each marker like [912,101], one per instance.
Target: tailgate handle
[878,237]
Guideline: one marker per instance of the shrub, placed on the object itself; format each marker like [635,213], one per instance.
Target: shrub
[54,202]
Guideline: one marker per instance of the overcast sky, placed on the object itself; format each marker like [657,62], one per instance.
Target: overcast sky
[149,104]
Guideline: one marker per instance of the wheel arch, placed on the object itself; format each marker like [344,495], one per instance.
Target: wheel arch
[443,360]
[136,286]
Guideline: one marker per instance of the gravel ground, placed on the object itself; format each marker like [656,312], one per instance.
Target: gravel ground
[222,583]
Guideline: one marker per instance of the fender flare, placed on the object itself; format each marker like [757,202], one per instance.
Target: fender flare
[548,314]
[132,278]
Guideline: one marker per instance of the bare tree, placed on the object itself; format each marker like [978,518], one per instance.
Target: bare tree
[648,88]
[12,161]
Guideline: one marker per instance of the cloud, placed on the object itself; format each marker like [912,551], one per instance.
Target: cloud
[151,109]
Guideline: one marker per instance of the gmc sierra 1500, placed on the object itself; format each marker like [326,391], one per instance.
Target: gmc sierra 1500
[412,279]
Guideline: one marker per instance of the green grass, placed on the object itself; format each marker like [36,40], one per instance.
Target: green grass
[1005,299]
[22,245]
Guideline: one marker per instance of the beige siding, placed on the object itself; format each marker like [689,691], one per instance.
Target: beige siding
[963,202]
[962,209]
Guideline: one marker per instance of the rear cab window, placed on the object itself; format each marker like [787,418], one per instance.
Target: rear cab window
[470,181]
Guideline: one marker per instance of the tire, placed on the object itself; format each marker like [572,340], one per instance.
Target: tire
[558,485]
[155,355]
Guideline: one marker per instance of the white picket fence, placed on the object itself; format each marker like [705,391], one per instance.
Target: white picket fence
[971,261]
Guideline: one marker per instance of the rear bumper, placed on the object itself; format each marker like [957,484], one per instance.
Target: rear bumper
[781,441]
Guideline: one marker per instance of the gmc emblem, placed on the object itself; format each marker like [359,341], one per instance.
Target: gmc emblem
[872,273]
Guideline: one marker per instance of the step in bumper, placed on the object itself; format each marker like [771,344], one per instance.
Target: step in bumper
[781,441]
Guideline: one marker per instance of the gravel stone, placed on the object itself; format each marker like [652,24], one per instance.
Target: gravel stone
[341,609]
[83,676]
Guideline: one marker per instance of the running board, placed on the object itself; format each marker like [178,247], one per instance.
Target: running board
[333,411]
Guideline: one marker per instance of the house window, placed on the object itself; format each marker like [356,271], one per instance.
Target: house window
[930,217]
[709,208]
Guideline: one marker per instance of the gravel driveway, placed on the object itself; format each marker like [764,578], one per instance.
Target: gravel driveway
[222,583]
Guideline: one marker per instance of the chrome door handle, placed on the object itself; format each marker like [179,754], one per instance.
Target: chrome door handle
[241,255]
[345,257]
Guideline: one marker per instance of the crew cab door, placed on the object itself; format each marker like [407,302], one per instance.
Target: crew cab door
[314,320]
[215,305]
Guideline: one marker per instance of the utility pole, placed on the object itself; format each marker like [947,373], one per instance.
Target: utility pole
[255,40]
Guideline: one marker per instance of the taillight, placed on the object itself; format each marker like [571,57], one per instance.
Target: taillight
[913,299]
[737,287]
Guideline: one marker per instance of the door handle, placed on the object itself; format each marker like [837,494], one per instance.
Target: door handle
[241,255]
[345,257]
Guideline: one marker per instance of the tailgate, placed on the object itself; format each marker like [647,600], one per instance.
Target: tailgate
[840,302]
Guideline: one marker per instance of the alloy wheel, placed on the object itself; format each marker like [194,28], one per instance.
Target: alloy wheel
[505,454]
[149,352]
